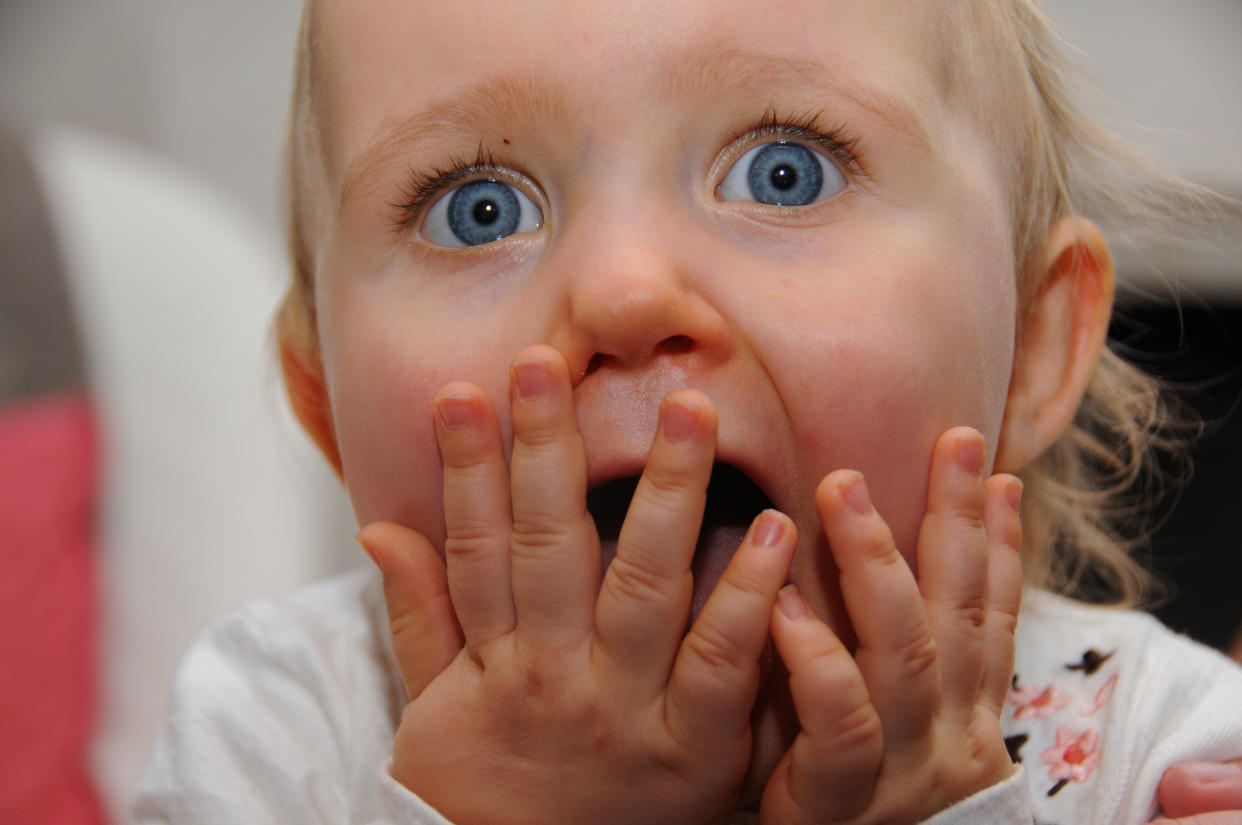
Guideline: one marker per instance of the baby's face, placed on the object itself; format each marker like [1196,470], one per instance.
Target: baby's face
[770,202]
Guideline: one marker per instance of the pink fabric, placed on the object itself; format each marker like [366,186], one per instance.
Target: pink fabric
[48,463]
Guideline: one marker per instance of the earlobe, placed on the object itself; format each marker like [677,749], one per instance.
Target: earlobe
[1062,333]
[305,385]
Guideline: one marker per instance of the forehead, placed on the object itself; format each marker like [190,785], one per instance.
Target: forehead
[380,60]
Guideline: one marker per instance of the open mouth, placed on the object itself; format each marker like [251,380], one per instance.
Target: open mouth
[733,501]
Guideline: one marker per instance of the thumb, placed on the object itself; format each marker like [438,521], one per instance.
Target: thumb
[1201,788]
[425,634]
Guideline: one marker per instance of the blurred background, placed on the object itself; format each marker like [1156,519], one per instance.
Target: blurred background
[151,133]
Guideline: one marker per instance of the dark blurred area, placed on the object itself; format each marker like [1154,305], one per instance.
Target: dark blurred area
[1195,345]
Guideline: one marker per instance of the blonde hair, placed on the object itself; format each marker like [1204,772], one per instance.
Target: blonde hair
[1091,498]
[1087,496]
[295,317]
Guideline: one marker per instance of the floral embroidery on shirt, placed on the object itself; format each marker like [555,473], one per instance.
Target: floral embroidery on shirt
[1091,661]
[1102,696]
[1033,703]
[1014,744]
[1072,758]
[1040,710]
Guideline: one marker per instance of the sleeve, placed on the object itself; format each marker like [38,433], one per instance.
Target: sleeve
[401,805]
[1006,803]
[259,732]
[1192,714]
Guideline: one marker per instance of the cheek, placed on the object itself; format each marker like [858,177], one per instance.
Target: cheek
[384,422]
[874,386]
[385,363]
[878,415]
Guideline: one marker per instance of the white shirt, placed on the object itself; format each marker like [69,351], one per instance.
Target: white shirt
[285,711]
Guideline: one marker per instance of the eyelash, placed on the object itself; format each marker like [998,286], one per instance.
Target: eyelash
[833,141]
[420,189]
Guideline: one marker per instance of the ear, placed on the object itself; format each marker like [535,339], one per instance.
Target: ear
[305,383]
[1063,328]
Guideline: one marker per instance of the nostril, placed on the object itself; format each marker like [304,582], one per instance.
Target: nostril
[675,345]
[597,360]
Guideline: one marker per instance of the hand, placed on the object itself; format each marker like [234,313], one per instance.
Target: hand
[909,724]
[1202,793]
[539,695]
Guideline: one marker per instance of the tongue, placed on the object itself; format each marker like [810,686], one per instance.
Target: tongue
[717,544]
[732,501]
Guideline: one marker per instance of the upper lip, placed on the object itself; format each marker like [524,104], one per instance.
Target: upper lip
[619,449]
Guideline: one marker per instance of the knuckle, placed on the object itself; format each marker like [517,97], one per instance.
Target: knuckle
[541,436]
[830,668]
[405,625]
[966,510]
[858,729]
[663,489]
[970,616]
[1003,621]
[744,584]
[467,461]
[716,652]
[471,536]
[876,546]
[632,582]
[919,657]
[541,676]
[534,536]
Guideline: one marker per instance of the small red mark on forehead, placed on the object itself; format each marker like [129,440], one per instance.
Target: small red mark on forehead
[506,140]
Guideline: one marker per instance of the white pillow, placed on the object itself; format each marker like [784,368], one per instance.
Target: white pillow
[211,494]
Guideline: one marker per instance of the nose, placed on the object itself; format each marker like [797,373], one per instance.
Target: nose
[639,294]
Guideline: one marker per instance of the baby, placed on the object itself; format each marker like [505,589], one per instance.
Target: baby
[686,363]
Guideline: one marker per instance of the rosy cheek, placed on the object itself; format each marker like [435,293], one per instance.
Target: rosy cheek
[388,447]
[890,437]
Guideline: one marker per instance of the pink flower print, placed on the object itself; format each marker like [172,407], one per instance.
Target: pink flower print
[1103,695]
[1073,757]
[1033,703]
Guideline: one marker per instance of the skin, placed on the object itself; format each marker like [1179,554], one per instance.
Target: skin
[854,357]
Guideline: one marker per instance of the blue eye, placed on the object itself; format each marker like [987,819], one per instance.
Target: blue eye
[781,174]
[480,212]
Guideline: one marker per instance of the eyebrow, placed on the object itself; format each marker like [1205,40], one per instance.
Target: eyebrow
[523,104]
[742,71]
[518,104]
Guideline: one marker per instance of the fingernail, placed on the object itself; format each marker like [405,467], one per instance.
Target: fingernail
[856,496]
[533,378]
[791,603]
[1014,493]
[678,422]
[970,455]
[769,528]
[1209,772]
[455,411]
[366,548]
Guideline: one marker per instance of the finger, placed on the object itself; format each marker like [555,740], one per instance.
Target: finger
[1201,787]
[554,546]
[1004,501]
[953,565]
[425,635]
[645,598]
[476,514]
[1216,818]
[896,652]
[831,769]
[716,676]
